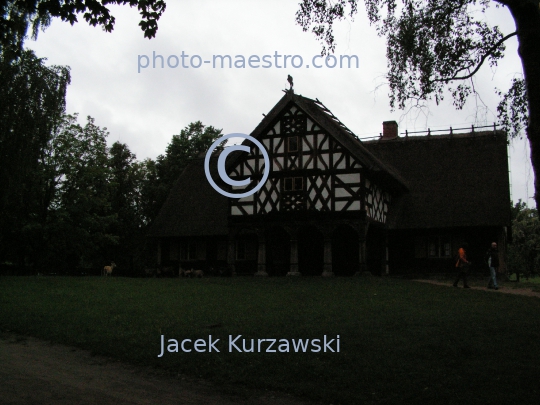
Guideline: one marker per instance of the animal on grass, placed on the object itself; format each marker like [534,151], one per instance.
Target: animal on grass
[187,273]
[150,272]
[107,270]
[199,273]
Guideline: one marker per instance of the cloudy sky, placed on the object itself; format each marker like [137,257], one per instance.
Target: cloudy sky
[144,107]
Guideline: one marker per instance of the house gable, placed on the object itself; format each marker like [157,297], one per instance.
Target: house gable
[317,164]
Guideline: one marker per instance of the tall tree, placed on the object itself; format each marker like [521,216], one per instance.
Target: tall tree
[439,45]
[32,102]
[77,230]
[17,16]
[127,177]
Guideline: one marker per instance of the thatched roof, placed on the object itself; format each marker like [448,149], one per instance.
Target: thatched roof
[455,180]
[437,181]
[193,207]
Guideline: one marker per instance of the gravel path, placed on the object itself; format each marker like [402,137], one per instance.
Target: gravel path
[502,290]
[35,372]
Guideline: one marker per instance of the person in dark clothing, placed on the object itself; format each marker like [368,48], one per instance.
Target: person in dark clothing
[492,258]
[462,266]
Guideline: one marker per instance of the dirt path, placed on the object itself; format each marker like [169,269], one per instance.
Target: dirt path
[35,372]
[503,290]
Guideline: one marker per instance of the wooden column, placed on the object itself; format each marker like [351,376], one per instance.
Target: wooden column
[294,255]
[386,254]
[327,261]
[261,261]
[362,233]
[231,254]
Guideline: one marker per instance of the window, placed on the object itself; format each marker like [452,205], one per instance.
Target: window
[188,251]
[293,184]
[447,249]
[292,144]
[439,246]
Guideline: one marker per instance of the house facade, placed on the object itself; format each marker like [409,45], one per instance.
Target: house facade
[334,205]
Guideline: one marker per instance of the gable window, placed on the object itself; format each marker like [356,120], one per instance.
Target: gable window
[292,144]
[293,183]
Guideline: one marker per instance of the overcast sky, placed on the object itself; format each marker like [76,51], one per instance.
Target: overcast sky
[144,109]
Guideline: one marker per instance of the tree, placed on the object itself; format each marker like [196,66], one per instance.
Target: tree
[524,252]
[32,103]
[439,45]
[192,141]
[16,17]
[78,227]
[127,177]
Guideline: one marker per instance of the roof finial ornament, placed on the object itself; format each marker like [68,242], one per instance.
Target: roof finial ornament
[289,79]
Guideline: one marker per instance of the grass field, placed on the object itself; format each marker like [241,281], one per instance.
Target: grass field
[400,341]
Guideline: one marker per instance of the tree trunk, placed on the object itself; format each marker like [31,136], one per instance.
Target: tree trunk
[526,14]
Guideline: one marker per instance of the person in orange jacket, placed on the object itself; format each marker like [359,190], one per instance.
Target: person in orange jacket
[462,266]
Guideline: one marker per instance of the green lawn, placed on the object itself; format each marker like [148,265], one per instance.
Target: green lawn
[400,341]
[532,282]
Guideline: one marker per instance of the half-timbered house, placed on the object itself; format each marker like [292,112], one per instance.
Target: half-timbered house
[334,205]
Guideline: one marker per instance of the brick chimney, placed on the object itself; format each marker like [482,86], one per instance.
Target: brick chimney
[390,130]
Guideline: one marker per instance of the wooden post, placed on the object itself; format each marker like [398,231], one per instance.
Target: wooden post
[362,233]
[231,254]
[294,256]
[386,254]
[327,266]
[261,261]
[159,253]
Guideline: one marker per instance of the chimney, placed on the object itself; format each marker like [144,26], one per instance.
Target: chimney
[390,130]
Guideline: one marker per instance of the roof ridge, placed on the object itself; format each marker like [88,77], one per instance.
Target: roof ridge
[333,117]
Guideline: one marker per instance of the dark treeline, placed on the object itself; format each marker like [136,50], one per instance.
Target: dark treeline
[69,204]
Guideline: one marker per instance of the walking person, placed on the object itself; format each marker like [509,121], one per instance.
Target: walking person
[462,266]
[492,257]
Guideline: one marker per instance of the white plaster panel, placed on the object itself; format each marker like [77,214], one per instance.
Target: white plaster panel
[340,205]
[349,178]
[355,206]
[341,192]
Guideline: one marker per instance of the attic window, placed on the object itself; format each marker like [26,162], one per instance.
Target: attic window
[293,184]
[292,144]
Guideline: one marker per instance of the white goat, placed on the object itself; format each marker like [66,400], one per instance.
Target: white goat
[107,270]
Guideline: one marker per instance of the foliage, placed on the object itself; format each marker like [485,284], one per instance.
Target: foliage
[126,181]
[32,102]
[83,204]
[524,252]
[16,17]
[432,46]
[512,109]
[190,144]
[67,201]
[77,227]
